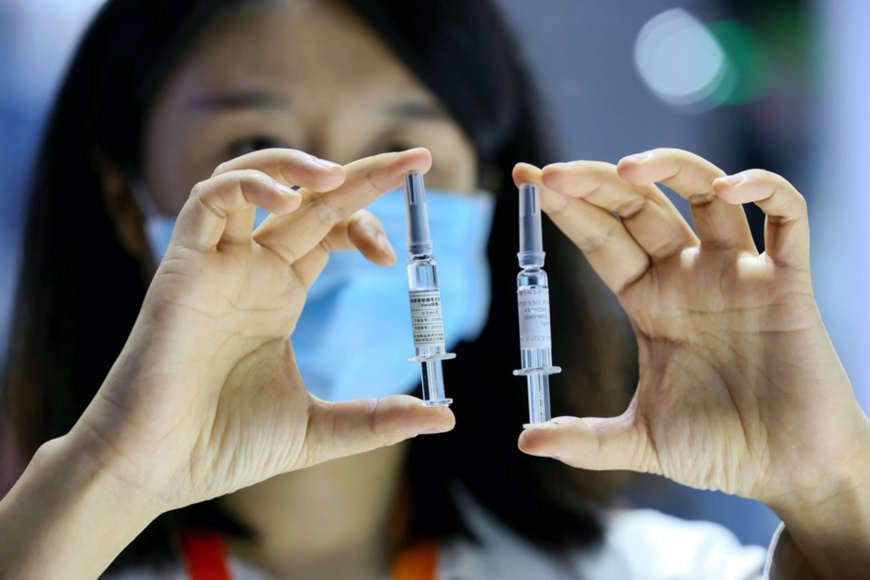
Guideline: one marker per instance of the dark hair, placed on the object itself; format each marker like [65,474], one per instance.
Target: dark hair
[463,52]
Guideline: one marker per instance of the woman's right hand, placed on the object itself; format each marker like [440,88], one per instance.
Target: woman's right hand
[205,397]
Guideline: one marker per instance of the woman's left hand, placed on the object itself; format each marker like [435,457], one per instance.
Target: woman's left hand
[740,388]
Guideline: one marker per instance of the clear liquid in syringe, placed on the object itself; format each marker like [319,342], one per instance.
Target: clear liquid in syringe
[533,301]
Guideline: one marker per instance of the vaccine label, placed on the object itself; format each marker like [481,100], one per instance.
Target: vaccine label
[534,304]
[426,321]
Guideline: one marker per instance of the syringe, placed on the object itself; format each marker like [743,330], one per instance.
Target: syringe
[533,297]
[426,320]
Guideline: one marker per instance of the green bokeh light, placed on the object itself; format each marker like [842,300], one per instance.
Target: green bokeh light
[748,73]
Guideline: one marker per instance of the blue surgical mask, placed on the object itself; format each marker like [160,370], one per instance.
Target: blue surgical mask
[353,337]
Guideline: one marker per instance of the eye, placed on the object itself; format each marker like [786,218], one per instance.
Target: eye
[396,146]
[251,144]
[392,146]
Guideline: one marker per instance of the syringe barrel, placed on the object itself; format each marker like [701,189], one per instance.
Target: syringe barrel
[536,354]
[428,328]
[531,243]
[539,398]
[419,240]
[426,321]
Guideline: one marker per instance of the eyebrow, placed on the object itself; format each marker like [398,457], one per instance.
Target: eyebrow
[242,100]
[266,100]
[416,110]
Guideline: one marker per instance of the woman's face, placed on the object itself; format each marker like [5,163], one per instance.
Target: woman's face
[305,74]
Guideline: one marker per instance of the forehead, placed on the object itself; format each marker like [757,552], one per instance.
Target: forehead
[304,47]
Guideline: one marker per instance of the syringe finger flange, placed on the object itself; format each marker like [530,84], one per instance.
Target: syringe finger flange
[430,357]
[537,371]
[438,403]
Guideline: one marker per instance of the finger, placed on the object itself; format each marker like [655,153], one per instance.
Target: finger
[611,251]
[719,224]
[526,173]
[361,231]
[646,213]
[290,167]
[292,236]
[221,209]
[786,232]
[591,443]
[340,429]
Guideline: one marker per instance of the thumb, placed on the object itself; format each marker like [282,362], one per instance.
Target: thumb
[347,428]
[591,443]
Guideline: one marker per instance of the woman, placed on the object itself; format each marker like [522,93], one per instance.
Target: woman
[131,53]
[175,91]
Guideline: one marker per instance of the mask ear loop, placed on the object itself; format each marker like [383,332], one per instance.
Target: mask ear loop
[157,226]
[143,199]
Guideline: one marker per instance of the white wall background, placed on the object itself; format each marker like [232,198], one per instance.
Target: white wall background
[840,206]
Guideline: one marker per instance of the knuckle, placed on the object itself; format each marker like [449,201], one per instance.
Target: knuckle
[294,285]
[631,207]
[363,216]
[549,203]
[668,151]
[362,223]
[378,177]
[592,186]
[324,209]
[701,199]
[372,411]
[200,189]
[380,438]
[221,168]
[322,428]
[597,240]
[667,248]
[290,161]
[288,254]
[801,201]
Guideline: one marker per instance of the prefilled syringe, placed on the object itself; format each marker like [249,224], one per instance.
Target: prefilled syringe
[426,321]
[533,298]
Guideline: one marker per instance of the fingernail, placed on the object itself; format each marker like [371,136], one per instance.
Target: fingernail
[431,431]
[638,157]
[733,180]
[384,244]
[545,425]
[324,162]
[540,454]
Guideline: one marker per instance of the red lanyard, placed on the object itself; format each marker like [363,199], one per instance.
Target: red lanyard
[205,556]
[206,559]
[417,562]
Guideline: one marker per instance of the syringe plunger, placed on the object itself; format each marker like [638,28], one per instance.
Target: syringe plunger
[531,243]
[419,240]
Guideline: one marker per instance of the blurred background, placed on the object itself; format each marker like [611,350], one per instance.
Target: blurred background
[777,84]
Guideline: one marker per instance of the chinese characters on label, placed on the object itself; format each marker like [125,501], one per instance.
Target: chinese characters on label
[426,321]
[534,310]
